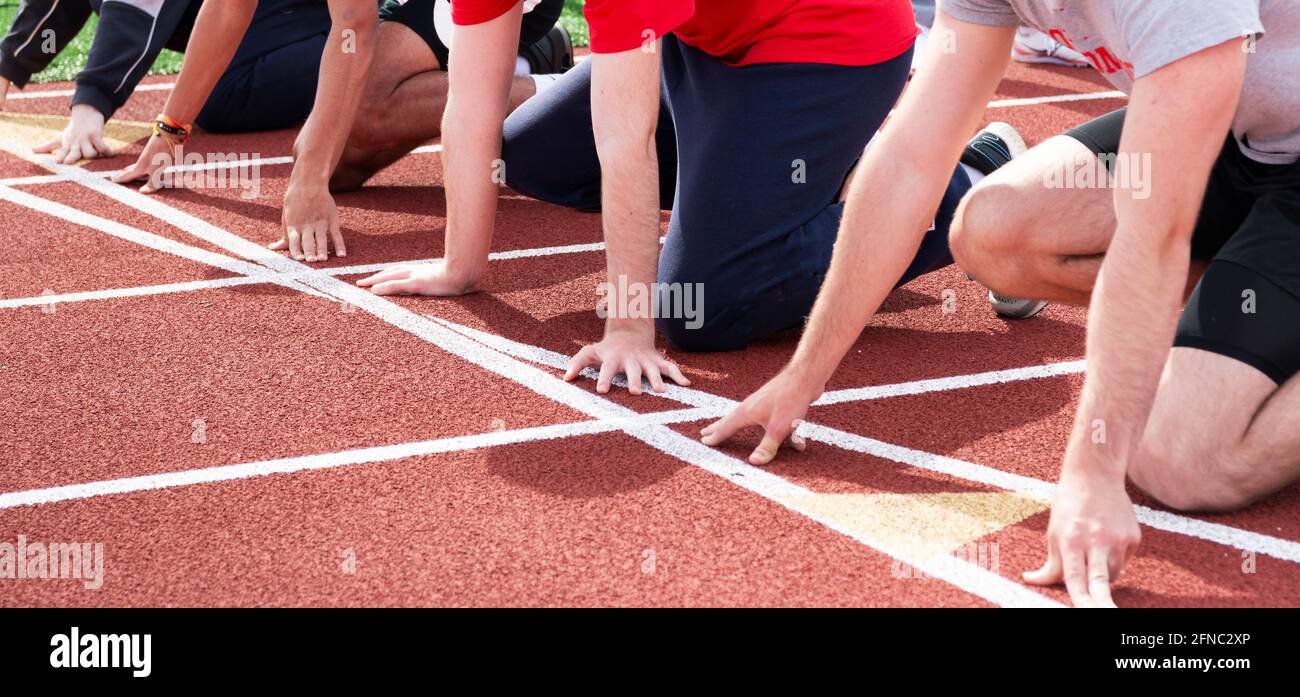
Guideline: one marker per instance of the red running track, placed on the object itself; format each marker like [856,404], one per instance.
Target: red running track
[220,437]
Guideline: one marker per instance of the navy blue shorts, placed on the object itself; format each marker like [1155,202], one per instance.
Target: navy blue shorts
[752,160]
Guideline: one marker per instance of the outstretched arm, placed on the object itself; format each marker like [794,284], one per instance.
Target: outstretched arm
[128,38]
[882,230]
[625,114]
[477,105]
[217,32]
[310,220]
[1134,310]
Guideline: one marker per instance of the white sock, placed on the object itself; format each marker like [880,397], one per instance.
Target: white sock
[521,66]
[974,174]
[919,48]
[544,82]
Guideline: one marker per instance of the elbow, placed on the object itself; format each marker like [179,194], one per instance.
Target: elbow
[625,146]
[359,16]
[627,155]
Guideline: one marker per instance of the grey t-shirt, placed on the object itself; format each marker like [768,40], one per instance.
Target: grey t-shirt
[1127,39]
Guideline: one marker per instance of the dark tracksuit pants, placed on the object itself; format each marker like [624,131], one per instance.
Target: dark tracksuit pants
[751,162]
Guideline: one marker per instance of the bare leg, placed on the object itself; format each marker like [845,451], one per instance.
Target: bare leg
[1221,434]
[1022,239]
[401,109]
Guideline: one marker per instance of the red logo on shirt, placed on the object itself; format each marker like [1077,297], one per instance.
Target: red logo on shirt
[1101,57]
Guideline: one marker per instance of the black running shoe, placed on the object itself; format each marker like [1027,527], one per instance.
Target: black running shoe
[552,54]
[993,147]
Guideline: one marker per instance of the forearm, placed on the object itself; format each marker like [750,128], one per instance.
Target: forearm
[217,32]
[477,106]
[881,230]
[1139,290]
[344,63]
[1131,322]
[625,114]
[630,206]
[878,238]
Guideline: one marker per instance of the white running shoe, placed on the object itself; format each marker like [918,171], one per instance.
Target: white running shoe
[1033,46]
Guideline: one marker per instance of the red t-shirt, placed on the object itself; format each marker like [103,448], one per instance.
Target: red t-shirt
[743,32]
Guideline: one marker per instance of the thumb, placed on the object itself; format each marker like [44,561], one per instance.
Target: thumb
[97,140]
[774,434]
[48,147]
[1050,574]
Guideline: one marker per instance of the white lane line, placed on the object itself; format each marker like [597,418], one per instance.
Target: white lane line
[137,291]
[193,225]
[49,94]
[143,203]
[534,379]
[208,475]
[266,276]
[958,382]
[258,162]
[494,256]
[1160,520]
[126,232]
[1166,521]
[690,450]
[1055,99]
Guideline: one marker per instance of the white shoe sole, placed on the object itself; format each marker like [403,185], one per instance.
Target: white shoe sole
[1025,55]
[1016,308]
[1009,135]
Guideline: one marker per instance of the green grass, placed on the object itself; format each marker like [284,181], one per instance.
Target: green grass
[573,21]
[73,58]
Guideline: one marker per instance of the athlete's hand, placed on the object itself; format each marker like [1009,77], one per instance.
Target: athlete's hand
[158,154]
[310,223]
[82,138]
[4,91]
[1092,534]
[777,407]
[630,351]
[426,279]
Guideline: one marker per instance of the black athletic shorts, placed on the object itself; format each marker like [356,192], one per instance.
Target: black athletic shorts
[1247,306]
[418,15]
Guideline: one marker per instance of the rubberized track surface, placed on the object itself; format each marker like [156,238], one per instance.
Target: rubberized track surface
[240,429]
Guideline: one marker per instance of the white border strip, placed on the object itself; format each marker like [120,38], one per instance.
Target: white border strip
[263,276]
[1056,99]
[225,473]
[276,161]
[952,383]
[50,94]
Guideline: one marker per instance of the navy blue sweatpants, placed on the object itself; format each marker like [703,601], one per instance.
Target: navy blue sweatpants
[752,160]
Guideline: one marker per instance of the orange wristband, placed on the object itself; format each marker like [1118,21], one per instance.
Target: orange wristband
[169,129]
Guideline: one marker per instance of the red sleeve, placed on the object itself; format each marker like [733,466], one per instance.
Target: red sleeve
[465,12]
[622,25]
